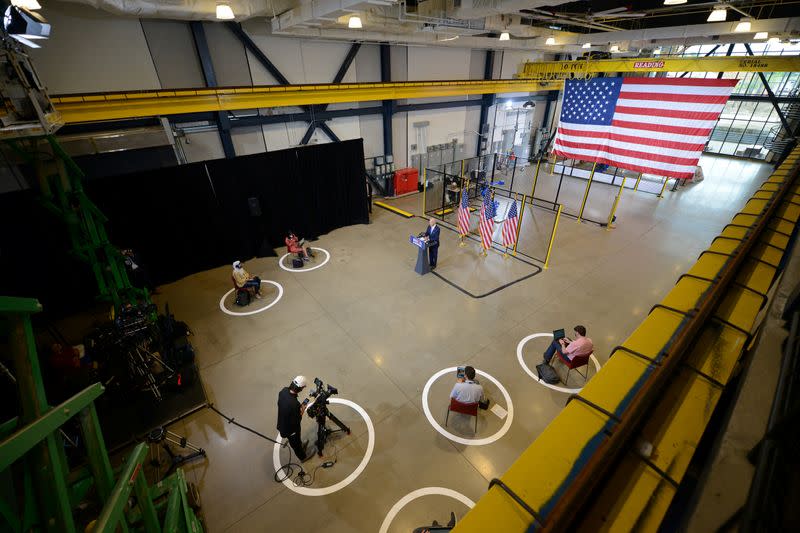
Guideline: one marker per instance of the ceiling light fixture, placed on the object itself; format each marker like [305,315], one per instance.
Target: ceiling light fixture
[674,2]
[354,23]
[744,25]
[614,49]
[224,12]
[761,35]
[718,14]
[586,45]
[31,5]
[550,41]
[505,36]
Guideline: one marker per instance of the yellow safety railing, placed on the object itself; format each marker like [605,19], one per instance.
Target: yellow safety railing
[637,491]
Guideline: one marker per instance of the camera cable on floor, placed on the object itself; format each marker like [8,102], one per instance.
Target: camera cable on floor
[302,479]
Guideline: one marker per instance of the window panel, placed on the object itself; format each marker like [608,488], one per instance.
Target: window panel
[728,148]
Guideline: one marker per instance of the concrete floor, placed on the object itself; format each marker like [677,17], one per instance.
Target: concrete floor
[366,323]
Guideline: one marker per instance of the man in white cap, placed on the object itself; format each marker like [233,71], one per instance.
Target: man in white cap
[244,280]
[290,413]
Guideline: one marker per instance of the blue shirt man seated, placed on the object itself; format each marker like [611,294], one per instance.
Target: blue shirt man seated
[466,389]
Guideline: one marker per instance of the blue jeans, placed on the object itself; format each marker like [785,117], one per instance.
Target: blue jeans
[554,347]
[254,284]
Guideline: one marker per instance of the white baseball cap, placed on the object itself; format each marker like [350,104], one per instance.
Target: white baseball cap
[300,381]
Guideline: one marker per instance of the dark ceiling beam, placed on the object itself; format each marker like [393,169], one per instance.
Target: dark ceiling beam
[210,77]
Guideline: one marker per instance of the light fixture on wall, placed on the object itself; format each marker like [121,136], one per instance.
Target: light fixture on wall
[550,41]
[505,36]
[224,12]
[586,45]
[674,2]
[354,23]
[761,35]
[744,25]
[30,5]
[25,26]
[718,14]
[614,49]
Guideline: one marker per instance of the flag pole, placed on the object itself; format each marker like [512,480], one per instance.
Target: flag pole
[586,193]
[519,223]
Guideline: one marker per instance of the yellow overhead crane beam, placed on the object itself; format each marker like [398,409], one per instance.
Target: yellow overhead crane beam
[123,105]
[561,69]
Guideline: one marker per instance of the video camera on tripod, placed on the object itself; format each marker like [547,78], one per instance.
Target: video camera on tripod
[318,409]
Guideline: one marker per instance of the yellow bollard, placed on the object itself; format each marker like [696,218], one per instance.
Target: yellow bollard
[663,187]
[614,207]
[586,193]
[636,187]
[552,238]
[519,224]
[535,177]
[553,166]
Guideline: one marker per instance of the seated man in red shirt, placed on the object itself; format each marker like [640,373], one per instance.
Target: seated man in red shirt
[582,345]
[294,246]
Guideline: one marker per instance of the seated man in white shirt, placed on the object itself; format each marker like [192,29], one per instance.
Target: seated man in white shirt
[466,389]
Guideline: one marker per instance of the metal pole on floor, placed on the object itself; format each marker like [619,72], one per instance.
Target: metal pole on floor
[663,187]
[586,193]
[424,188]
[553,166]
[535,177]
[552,238]
[558,190]
[636,187]
[614,207]
[519,223]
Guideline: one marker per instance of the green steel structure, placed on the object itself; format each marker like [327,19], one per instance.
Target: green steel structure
[61,193]
[37,490]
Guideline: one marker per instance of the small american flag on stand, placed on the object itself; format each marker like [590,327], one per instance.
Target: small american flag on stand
[487,221]
[510,226]
[463,214]
[653,125]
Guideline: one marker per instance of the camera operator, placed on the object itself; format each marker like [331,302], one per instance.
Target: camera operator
[290,412]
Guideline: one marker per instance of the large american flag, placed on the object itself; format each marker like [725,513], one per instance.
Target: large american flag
[653,125]
[510,226]
[487,220]
[463,213]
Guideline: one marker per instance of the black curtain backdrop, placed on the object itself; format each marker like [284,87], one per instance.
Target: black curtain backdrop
[186,219]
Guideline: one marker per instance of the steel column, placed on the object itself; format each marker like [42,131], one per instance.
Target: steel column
[223,122]
[486,99]
[387,105]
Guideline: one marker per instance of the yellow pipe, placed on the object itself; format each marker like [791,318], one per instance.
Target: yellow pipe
[552,237]
[663,187]
[614,207]
[586,193]
[636,187]
[519,223]
[553,166]
[535,177]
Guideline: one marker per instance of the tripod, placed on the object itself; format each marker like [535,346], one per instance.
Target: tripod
[163,437]
[323,432]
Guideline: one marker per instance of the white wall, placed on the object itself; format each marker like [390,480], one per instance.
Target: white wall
[92,51]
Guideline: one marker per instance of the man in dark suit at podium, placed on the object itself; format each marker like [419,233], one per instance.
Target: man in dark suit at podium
[432,236]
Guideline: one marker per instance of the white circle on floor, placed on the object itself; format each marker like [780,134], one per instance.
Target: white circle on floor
[323,250]
[535,376]
[253,312]
[305,491]
[455,438]
[427,491]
